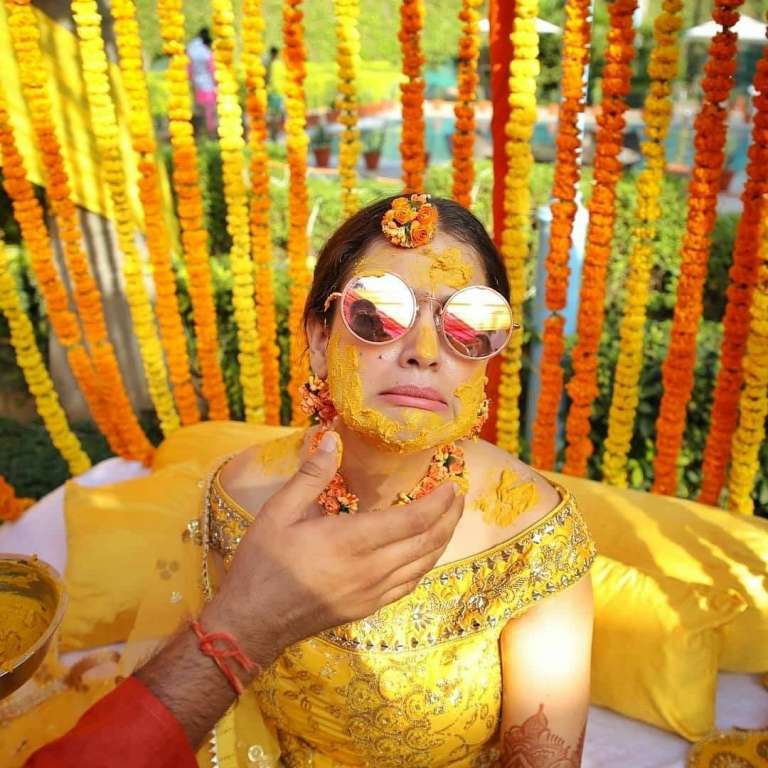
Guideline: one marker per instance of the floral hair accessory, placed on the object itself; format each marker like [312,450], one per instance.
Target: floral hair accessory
[410,221]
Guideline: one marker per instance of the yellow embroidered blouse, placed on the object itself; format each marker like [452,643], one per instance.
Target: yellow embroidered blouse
[417,683]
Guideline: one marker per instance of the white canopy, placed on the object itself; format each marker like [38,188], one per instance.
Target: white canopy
[542,27]
[748,29]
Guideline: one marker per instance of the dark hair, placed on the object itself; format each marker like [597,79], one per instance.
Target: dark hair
[346,245]
[205,35]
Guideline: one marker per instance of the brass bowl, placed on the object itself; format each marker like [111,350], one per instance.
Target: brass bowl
[32,605]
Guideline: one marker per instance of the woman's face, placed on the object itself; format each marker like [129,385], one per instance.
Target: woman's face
[369,382]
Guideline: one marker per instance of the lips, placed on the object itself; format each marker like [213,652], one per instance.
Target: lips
[426,398]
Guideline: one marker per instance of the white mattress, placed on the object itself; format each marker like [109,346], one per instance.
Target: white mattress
[612,740]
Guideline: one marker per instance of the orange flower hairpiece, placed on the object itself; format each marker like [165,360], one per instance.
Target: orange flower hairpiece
[410,222]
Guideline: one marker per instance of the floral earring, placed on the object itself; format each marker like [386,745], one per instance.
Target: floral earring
[482,417]
[316,400]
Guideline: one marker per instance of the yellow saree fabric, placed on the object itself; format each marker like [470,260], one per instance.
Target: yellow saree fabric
[417,683]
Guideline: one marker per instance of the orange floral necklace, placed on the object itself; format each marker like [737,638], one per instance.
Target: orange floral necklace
[447,463]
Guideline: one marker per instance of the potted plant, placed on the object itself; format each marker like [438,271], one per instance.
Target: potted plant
[320,141]
[373,143]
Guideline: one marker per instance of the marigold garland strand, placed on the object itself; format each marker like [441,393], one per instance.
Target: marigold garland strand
[186,184]
[232,146]
[576,37]
[753,402]
[412,151]
[296,141]
[25,37]
[261,242]
[657,114]
[742,276]
[582,386]
[29,214]
[463,137]
[158,238]
[348,60]
[710,135]
[523,69]
[12,507]
[36,375]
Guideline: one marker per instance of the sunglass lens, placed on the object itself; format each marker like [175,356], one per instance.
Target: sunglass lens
[477,322]
[378,308]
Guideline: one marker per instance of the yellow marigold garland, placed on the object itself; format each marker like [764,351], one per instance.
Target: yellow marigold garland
[36,375]
[576,37]
[29,214]
[348,60]
[742,274]
[232,146]
[186,183]
[296,141]
[126,30]
[582,386]
[25,38]
[88,25]
[523,69]
[753,402]
[412,96]
[261,242]
[463,138]
[657,115]
[679,364]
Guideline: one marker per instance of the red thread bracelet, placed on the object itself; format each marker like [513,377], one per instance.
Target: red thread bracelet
[232,651]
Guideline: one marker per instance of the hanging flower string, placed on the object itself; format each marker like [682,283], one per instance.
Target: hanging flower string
[29,214]
[576,37]
[463,138]
[412,95]
[38,381]
[523,69]
[710,127]
[186,183]
[25,38]
[158,239]
[296,146]
[261,242]
[753,402]
[657,114]
[348,60]
[582,387]
[743,273]
[232,146]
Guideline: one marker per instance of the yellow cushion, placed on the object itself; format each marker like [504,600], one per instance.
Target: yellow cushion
[655,646]
[691,542]
[119,537]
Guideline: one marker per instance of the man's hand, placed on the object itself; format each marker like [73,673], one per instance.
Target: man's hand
[296,573]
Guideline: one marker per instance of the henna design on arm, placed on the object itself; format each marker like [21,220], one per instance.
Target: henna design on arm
[533,745]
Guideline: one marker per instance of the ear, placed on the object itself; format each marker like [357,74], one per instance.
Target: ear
[317,339]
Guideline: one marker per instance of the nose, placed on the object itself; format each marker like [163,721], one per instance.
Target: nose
[421,345]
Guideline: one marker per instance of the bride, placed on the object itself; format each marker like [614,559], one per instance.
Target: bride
[487,662]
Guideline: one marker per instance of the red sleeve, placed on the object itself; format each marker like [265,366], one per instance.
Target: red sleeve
[129,727]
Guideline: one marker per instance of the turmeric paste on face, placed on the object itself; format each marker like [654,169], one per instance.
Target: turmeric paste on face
[23,619]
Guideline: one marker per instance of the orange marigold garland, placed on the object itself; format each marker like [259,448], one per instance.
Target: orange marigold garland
[297,141]
[412,95]
[523,69]
[710,127]
[743,273]
[29,214]
[348,60]
[657,115]
[186,183]
[582,387]
[576,37]
[463,138]
[158,238]
[753,402]
[12,507]
[261,242]
[232,146]
[25,38]
[95,67]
